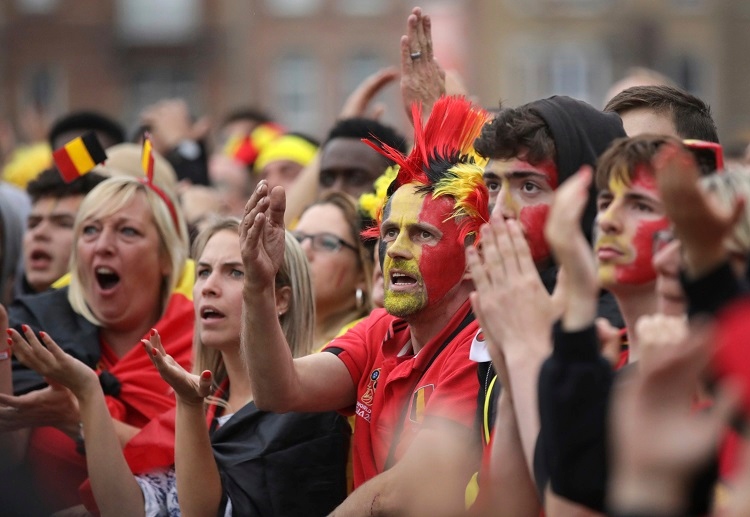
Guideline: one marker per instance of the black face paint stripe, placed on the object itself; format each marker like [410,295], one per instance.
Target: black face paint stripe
[381,244]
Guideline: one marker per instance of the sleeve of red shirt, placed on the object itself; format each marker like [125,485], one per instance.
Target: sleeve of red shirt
[353,348]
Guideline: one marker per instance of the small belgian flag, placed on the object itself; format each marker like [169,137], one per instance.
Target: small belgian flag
[147,156]
[79,156]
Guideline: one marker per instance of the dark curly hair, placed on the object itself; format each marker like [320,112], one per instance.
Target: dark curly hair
[50,184]
[359,128]
[517,132]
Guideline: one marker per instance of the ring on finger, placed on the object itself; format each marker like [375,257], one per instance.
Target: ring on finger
[415,55]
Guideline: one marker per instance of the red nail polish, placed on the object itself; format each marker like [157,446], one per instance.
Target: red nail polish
[25,328]
[10,341]
[9,332]
[153,352]
[206,374]
[153,332]
[42,333]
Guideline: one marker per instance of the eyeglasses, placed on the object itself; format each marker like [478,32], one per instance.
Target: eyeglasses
[324,241]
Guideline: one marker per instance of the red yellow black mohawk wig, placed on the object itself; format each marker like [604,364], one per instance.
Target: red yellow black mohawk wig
[443,161]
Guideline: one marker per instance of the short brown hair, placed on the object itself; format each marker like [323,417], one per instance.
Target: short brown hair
[625,155]
[690,115]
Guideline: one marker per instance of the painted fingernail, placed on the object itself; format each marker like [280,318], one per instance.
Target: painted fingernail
[206,375]
[10,341]
[9,332]
[153,352]
[42,333]
[153,332]
[25,328]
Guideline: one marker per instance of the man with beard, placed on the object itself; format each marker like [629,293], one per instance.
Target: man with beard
[404,371]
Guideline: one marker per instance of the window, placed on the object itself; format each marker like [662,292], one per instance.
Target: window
[297,87]
[37,6]
[164,22]
[43,87]
[556,7]
[293,7]
[357,68]
[362,7]
[569,73]
[581,69]
[152,84]
[690,6]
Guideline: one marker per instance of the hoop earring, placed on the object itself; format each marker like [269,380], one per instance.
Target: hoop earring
[360,296]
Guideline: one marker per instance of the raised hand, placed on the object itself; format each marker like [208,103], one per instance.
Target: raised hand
[514,309]
[609,337]
[422,79]
[655,332]
[170,123]
[53,362]
[659,441]
[189,388]
[572,251]
[358,102]
[700,223]
[262,236]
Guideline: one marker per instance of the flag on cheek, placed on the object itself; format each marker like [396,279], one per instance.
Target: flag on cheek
[79,156]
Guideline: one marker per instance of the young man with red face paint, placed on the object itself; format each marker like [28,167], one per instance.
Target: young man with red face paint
[532,149]
[404,372]
[630,213]
[576,379]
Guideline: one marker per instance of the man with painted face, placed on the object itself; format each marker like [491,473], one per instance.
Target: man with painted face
[404,371]
[572,454]
[532,149]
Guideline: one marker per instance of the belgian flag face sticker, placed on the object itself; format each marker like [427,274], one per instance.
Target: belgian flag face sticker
[419,400]
[79,156]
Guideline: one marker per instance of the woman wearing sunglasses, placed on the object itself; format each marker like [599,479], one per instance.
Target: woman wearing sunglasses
[341,267]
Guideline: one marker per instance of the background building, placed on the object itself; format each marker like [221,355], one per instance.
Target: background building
[298,59]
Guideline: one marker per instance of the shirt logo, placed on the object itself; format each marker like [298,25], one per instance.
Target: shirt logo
[365,401]
[369,393]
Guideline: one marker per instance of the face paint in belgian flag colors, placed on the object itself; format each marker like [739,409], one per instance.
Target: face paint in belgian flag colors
[422,256]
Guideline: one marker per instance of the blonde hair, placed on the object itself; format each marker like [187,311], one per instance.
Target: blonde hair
[728,186]
[108,198]
[297,323]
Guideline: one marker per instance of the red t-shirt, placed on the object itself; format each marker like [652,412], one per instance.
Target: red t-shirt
[394,386]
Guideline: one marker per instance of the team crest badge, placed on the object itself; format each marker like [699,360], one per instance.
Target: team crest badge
[369,393]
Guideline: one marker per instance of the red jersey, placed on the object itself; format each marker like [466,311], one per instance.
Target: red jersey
[397,391]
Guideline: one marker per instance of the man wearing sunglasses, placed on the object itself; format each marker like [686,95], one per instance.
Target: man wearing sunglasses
[404,372]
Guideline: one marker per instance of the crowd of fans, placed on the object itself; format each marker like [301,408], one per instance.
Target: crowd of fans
[531,310]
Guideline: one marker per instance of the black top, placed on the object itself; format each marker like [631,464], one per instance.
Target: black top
[291,464]
[50,311]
